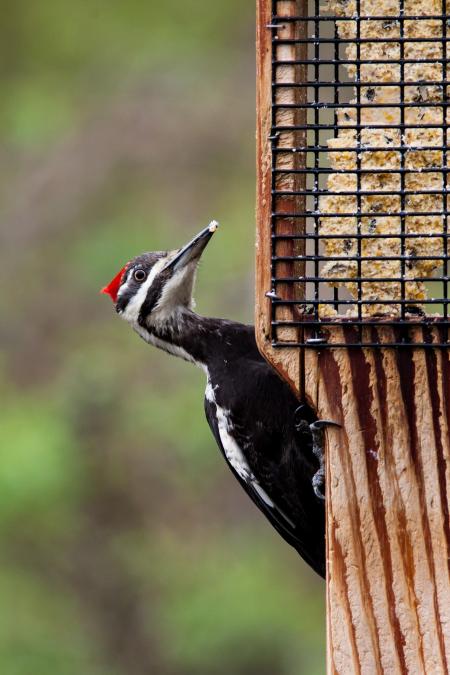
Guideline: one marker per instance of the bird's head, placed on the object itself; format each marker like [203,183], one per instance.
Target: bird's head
[154,288]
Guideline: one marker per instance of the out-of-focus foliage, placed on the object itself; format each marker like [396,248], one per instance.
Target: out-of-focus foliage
[127,548]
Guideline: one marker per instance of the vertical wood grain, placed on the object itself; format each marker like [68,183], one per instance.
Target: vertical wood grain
[387,519]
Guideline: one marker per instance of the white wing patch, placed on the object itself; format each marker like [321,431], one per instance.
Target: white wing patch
[234,453]
[264,496]
[232,450]
[210,391]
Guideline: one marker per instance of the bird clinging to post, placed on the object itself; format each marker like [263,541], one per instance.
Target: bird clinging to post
[268,441]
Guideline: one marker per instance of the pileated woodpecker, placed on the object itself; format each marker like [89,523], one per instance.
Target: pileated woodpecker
[269,442]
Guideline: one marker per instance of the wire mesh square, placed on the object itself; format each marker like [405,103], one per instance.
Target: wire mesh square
[359,169]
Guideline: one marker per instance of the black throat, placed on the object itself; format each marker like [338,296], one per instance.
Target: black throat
[201,340]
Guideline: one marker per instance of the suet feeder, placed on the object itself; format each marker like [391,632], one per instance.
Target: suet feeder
[352,301]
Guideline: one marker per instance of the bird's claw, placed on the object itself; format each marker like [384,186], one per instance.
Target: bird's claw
[316,428]
[318,425]
[300,423]
[318,483]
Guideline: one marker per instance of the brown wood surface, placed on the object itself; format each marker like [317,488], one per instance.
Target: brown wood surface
[388,492]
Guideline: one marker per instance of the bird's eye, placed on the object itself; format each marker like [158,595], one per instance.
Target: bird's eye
[139,275]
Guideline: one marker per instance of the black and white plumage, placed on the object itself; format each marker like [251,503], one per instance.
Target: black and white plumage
[251,411]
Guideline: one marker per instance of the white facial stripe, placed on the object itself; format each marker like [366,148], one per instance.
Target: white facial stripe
[131,312]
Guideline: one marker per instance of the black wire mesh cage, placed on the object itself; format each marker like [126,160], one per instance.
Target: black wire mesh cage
[359,170]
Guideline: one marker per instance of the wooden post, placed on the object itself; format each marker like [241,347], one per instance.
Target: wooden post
[388,466]
[388,490]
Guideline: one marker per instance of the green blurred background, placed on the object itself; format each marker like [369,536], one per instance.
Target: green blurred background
[127,548]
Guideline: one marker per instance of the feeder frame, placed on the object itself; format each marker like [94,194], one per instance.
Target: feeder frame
[385,380]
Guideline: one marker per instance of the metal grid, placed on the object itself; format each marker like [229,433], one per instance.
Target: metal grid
[353,259]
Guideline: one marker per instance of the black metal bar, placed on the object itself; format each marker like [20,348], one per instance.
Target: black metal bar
[273,141]
[368,83]
[397,235]
[316,155]
[444,163]
[373,17]
[342,279]
[365,214]
[401,42]
[360,40]
[351,321]
[362,104]
[365,345]
[332,322]
[351,148]
[313,258]
[357,170]
[323,62]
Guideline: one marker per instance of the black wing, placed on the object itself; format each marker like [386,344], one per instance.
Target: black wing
[280,488]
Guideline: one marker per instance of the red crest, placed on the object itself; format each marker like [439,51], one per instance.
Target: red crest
[112,288]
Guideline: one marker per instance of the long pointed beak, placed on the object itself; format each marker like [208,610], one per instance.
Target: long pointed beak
[194,249]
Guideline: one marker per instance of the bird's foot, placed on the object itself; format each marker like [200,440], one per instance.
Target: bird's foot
[318,445]
[318,483]
[300,422]
[318,448]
